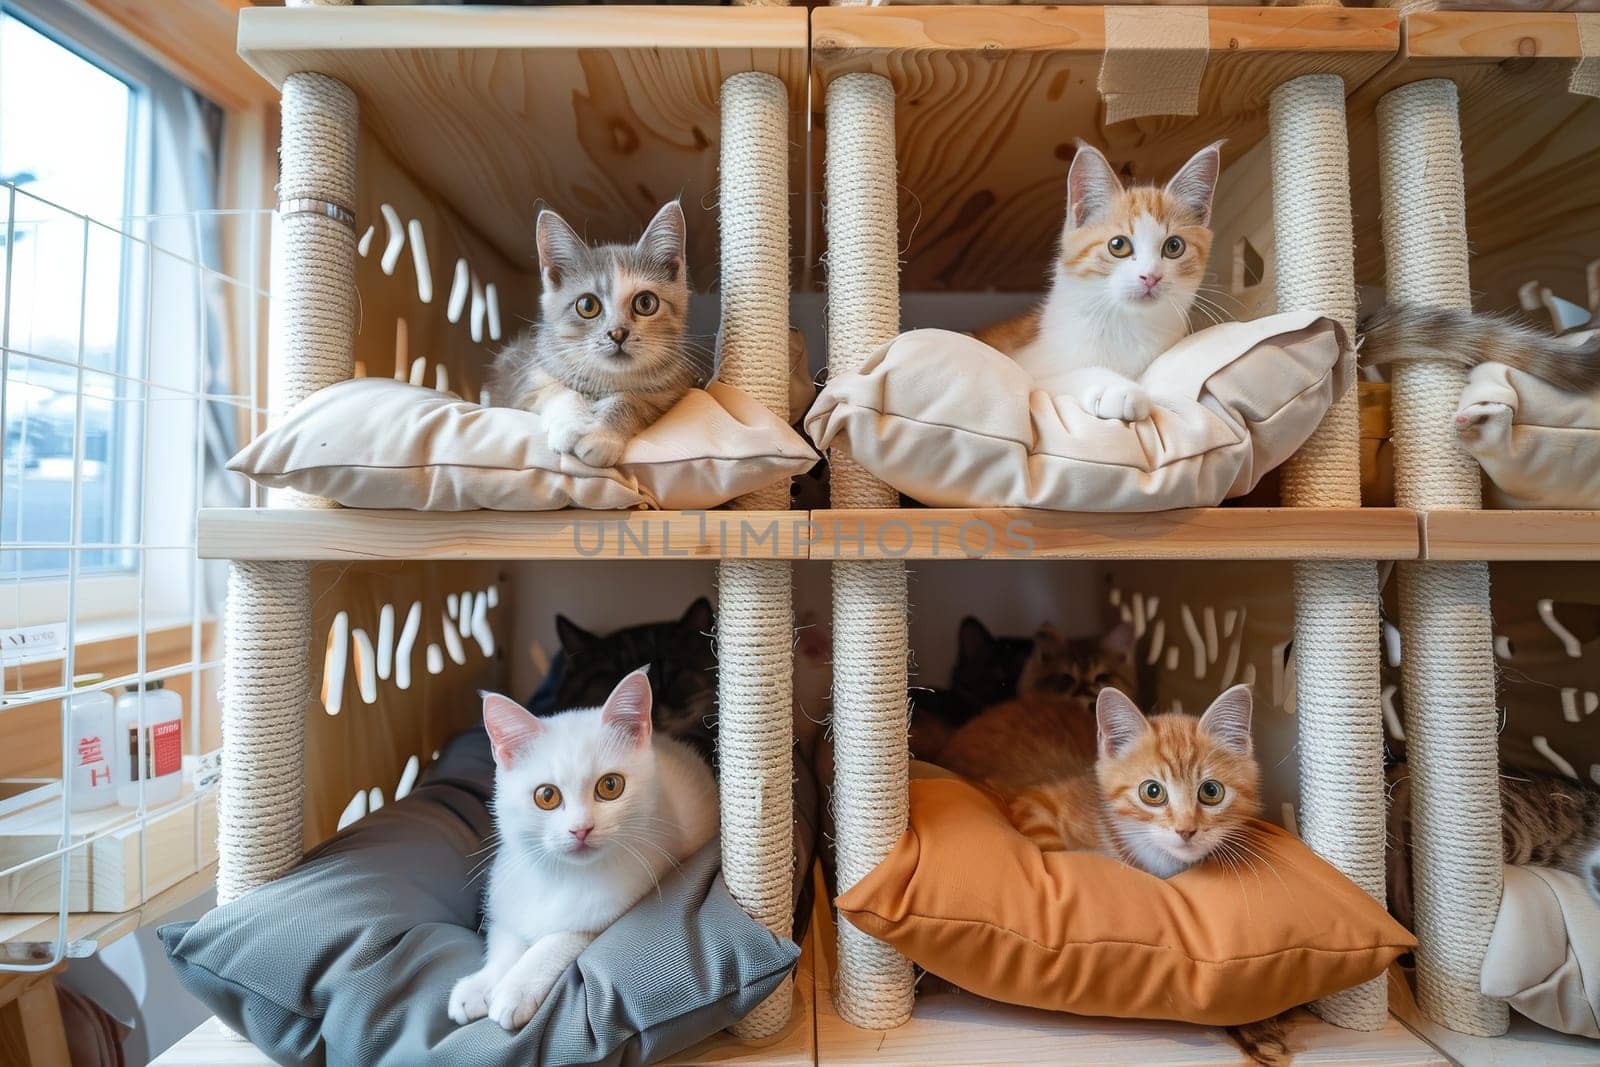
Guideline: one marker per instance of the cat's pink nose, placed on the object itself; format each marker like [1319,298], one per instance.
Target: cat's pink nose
[1150,281]
[1187,835]
[619,334]
[581,833]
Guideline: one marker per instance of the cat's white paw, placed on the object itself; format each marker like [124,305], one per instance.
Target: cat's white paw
[1483,421]
[469,999]
[600,447]
[514,1000]
[564,435]
[1124,401]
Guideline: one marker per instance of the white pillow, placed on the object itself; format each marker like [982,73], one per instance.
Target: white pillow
[1538,445]
[379,443]
[1544,952]
[950,421]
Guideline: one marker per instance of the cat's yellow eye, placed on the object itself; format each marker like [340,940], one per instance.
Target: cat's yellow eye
[1211,792]
[1152,792]
[548,797]
[588,305]
[1173,248]
[646,303]
[609,787]
[1120,247]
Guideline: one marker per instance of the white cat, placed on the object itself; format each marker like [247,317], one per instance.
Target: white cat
[592,811]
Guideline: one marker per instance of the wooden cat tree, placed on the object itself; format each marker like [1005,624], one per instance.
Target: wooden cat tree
[929,114]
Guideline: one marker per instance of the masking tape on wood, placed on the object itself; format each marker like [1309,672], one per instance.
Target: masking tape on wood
[1586,74]
[1155,59]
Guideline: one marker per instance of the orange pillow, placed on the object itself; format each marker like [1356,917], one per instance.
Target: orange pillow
[973,901]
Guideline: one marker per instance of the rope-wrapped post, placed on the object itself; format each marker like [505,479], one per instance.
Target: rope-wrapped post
[1336,629]
[755,617]
[1447,657]
[872,988]
[267,640]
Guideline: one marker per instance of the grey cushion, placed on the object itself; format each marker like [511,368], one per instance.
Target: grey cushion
[349,958]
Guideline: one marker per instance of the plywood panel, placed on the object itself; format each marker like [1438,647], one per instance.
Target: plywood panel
[1529,148]
[365,746]
[601,112]
[989,100]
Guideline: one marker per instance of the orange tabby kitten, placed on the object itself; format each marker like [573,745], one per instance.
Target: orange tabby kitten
[1165,792]
[1128,272]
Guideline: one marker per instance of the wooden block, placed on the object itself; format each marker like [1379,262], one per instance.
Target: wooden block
[1192,533]
[131,864]
[35,833]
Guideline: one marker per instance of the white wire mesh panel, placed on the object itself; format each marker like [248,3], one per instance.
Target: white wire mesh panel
[130,369]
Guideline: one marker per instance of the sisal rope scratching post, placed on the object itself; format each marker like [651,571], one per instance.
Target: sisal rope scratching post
[268,627]
[755,617]
[1447,664]
[872,988]
[1338,712]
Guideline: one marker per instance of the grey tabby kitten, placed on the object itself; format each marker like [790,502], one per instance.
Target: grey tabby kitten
[1546,820]
[608,355]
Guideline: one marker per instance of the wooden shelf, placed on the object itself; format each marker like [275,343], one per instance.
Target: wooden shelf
[989,98]
[1195,533]
[1511,535]
[601,112]
[898,533]
[1529,148]
[349,533]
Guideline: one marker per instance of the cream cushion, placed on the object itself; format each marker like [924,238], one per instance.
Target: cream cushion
[1539,445]
[380,443]
[1544,953]
[950,421]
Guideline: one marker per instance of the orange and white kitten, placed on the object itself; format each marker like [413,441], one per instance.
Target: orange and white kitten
[1164,793]
[1128,271]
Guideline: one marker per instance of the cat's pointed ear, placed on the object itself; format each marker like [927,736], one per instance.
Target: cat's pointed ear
[1120,720]
[699,619]
[1119,641]
[628,706]
[560,248]
[1196,182]
[662,241]
[1092,185]
[573,638]
[1227,720]
[973,638]
[511,728]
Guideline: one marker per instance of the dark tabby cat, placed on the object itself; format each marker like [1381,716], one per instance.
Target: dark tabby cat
[683,671]
[991,670]
[1396,334]
[1547,820]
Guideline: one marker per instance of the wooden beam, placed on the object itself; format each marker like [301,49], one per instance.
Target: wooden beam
[1193,533]
[1511,535]
[347,533]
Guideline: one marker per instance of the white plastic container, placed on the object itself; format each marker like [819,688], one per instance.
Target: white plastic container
[151,751]
[93,730]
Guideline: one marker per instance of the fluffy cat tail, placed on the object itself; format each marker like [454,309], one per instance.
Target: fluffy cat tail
[1401,334]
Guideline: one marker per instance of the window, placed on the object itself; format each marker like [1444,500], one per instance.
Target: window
[66,289]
